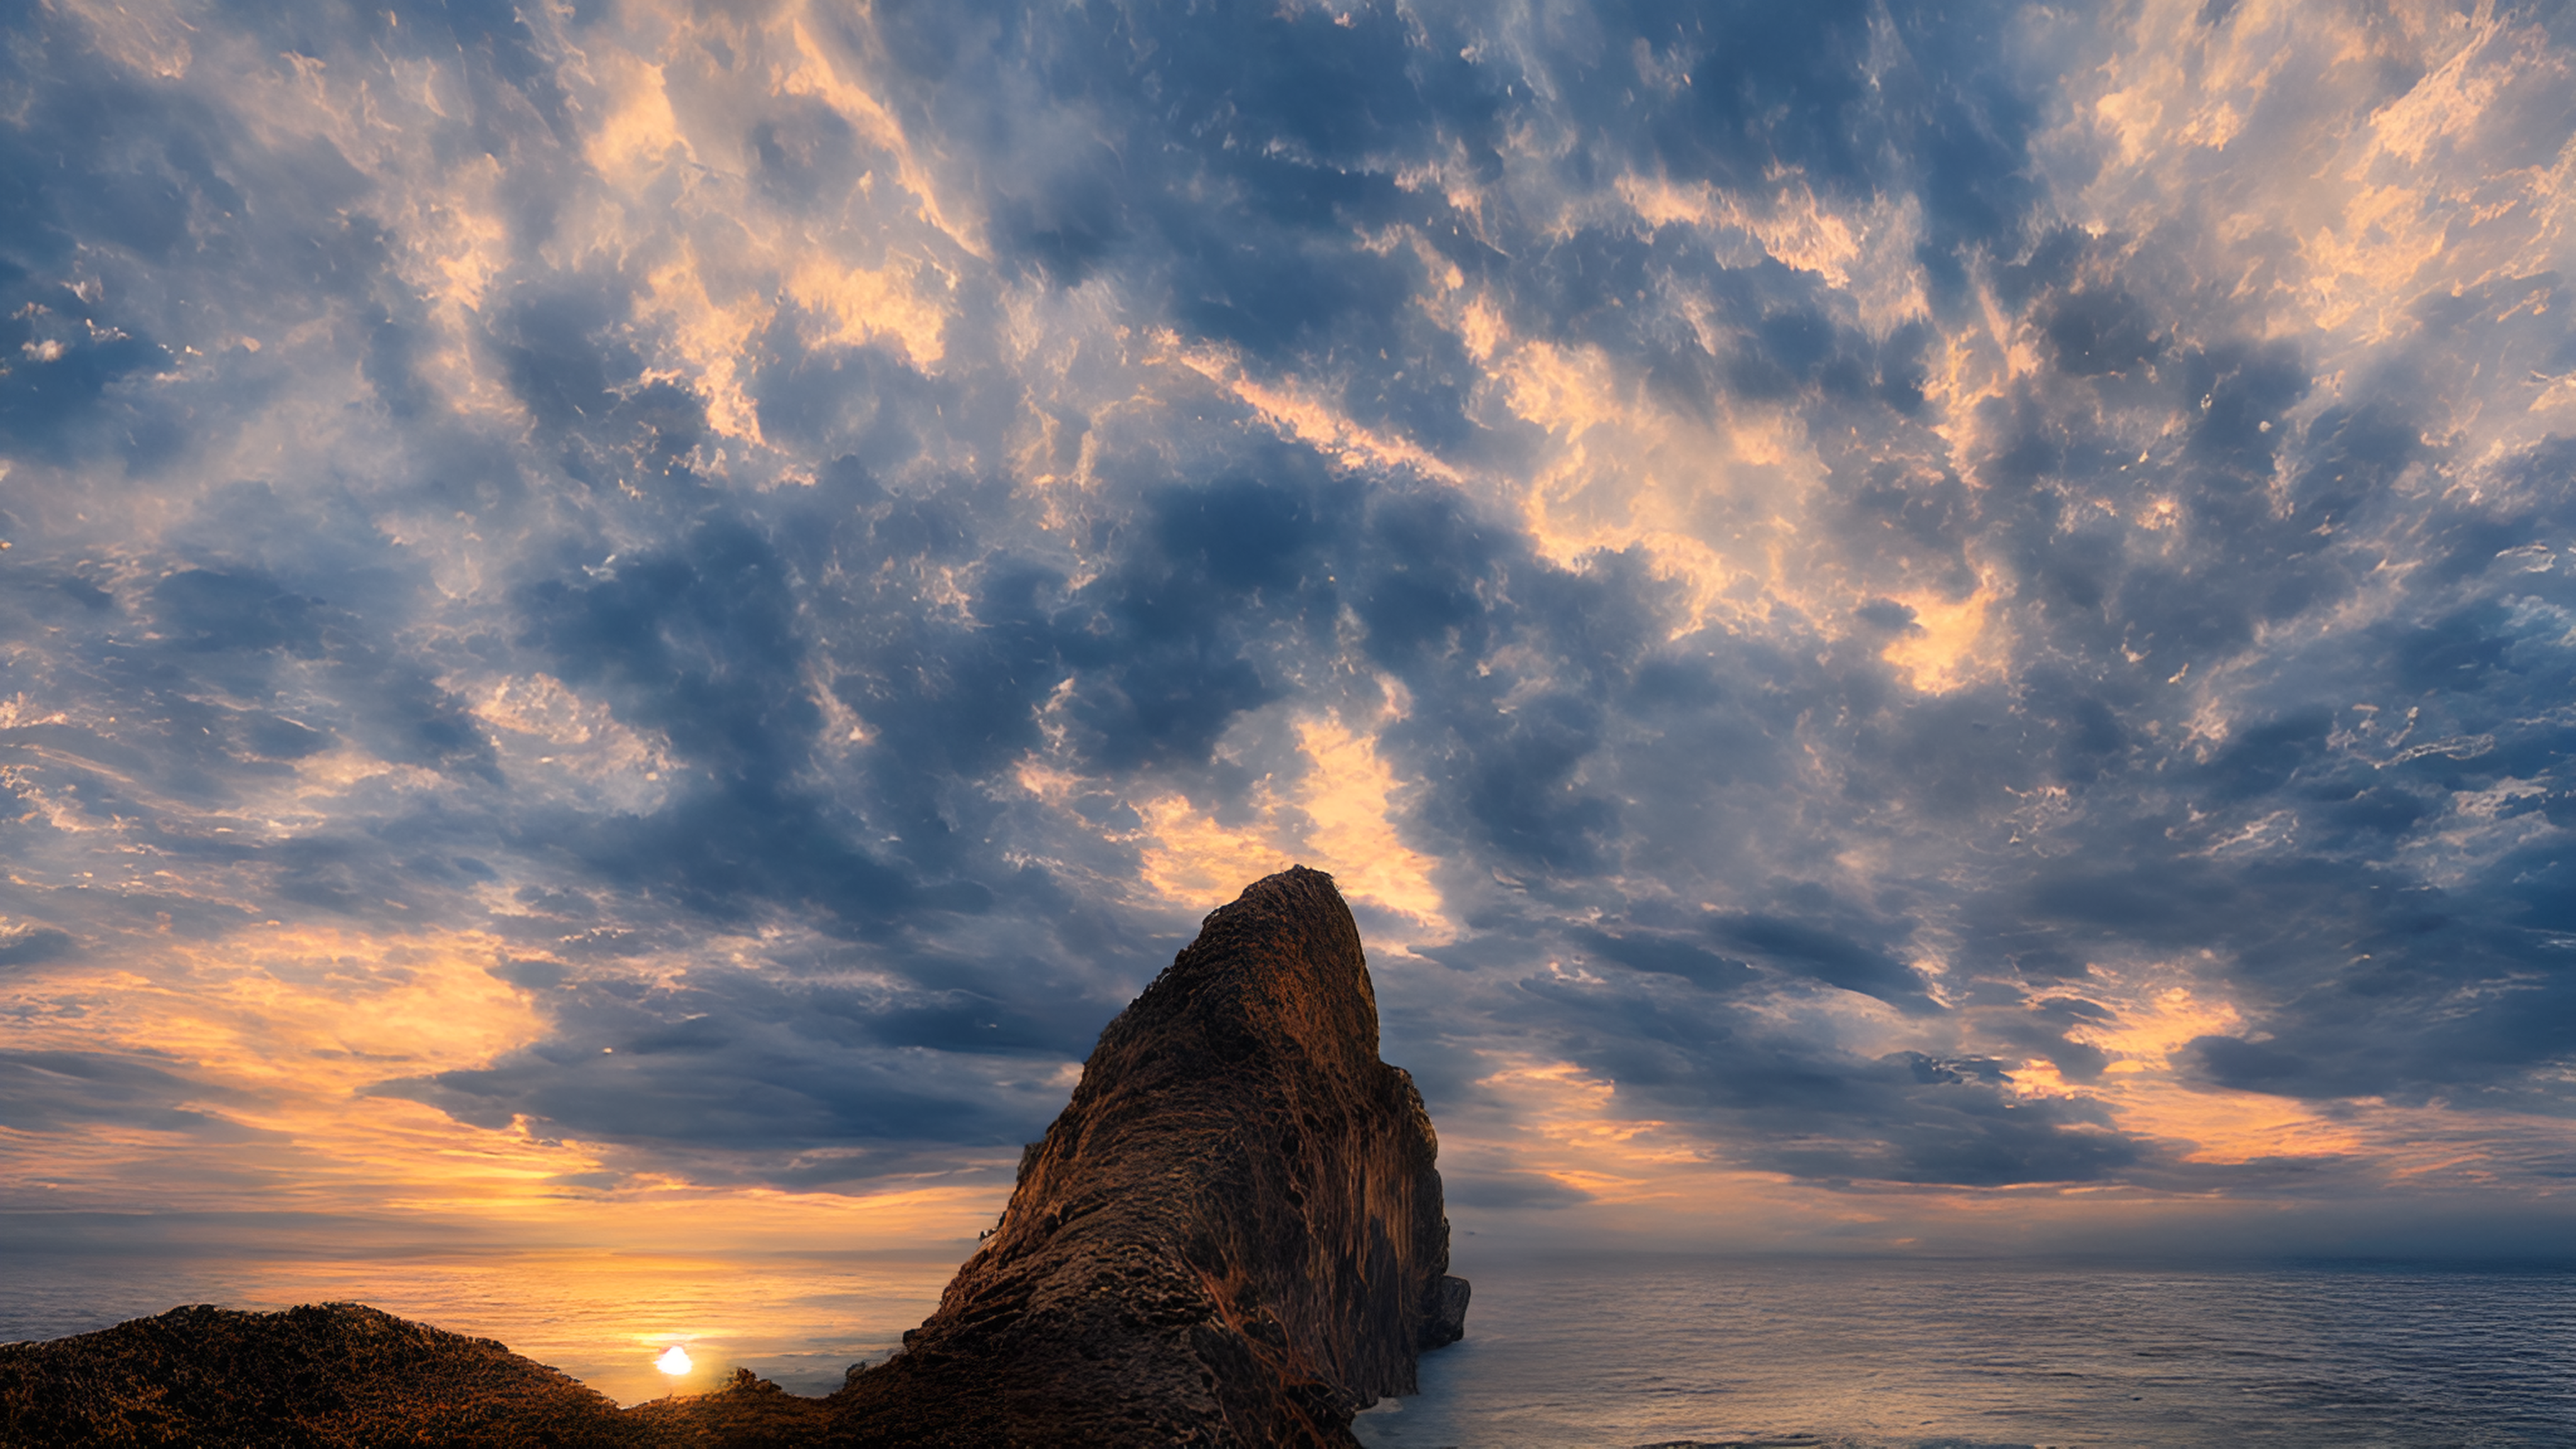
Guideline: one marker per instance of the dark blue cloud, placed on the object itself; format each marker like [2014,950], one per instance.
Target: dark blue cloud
[1789,1106]
[54,1091]
[35,945]
[1471,1189]
[738,1062]
[1825,955]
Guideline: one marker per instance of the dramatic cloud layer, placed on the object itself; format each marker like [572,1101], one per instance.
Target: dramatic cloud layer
[1903,625]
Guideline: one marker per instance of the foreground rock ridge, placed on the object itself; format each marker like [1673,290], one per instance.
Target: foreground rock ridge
[330,1373]
[1233,1235]
[343,1375]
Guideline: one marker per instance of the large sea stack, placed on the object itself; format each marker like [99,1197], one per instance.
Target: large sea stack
[1232,1236]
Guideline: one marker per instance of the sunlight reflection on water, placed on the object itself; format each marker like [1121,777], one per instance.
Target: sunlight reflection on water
[1597,1350]
[601,1317]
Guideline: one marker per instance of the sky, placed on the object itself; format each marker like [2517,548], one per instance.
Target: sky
[1909,628]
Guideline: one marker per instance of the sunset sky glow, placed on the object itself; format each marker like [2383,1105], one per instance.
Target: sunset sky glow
[627,623]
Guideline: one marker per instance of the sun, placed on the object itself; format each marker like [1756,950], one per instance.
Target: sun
[674,1360]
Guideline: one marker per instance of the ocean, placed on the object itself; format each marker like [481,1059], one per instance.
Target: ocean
[1592,1350]
[1870,1354]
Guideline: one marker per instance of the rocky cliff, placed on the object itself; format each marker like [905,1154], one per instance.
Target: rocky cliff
[1232,1236]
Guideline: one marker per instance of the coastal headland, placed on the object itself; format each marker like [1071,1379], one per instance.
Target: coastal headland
[1232,1235]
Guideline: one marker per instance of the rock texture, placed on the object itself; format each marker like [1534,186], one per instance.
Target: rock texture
[330,1374]
[749,1413]
[1232,1236]
[344,1374]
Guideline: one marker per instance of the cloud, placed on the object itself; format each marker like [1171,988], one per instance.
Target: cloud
[34,945]
[1893,608]
[70,1091]
[1507,1190]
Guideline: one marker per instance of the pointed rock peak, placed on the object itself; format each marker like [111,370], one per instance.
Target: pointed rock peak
[1280,967]
[1232,1235]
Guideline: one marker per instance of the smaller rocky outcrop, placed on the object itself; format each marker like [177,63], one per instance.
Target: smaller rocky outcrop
[749,1413]
[344,1374]
[328,1374]
[1232,1236]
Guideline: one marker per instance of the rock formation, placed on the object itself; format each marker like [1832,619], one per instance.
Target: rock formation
[749,1413]
[1232,1236]
[328,1374]
[332,1375]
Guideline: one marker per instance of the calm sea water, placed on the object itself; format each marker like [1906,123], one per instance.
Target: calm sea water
[1845,1354]
[1593,1351]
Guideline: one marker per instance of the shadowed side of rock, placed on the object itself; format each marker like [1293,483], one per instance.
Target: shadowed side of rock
[1233,1235]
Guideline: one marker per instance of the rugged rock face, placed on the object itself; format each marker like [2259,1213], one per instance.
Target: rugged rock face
[329,1374]
[1232,1236]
